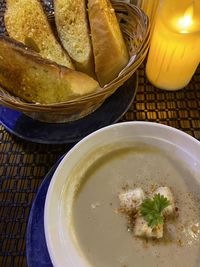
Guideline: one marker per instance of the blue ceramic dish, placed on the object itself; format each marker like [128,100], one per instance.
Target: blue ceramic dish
[36,249]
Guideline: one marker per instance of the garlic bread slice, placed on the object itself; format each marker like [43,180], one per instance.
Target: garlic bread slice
[27,75]
[26,22]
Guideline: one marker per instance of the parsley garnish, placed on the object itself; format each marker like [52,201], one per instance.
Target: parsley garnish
[151,210]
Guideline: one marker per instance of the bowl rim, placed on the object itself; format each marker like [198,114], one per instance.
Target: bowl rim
[177,137]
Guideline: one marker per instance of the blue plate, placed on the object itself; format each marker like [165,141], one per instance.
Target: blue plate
[36,249]
[60,133]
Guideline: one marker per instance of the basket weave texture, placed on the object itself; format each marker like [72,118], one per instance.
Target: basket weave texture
[135,28]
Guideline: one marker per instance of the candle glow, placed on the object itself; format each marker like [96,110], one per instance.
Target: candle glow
[175,48]
[186,22]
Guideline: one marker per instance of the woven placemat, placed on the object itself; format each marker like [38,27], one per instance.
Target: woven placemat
[179,109]
[23,165]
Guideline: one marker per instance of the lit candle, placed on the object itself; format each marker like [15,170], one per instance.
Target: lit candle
[175,49]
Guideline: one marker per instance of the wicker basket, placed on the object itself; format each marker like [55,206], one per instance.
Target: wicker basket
[135,27]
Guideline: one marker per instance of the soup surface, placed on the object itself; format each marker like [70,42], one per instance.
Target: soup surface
[102,232]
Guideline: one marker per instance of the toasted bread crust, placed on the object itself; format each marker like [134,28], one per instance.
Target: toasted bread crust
[73,29]
[26,22]
[110,52]
[27,75]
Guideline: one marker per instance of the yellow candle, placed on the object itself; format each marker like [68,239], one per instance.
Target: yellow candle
[175,49]
[150,8]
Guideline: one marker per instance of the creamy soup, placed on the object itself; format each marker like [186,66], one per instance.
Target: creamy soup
[102,232]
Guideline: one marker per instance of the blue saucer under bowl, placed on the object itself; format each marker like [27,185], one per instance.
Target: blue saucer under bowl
[36,249]
[110,112]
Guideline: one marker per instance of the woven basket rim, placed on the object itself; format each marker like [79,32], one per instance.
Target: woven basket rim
[13,102]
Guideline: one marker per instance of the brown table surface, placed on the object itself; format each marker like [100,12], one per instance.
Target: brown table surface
[23,164]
